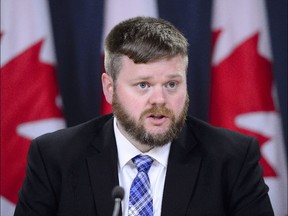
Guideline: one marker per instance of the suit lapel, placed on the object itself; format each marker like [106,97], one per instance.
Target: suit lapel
[102,166]
[183,167]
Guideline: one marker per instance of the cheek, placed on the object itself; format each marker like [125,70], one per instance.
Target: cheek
[133,104]
[179,103]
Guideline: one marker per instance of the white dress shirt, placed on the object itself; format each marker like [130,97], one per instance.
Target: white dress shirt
[127,171]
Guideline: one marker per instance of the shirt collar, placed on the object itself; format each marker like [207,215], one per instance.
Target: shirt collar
[126,150]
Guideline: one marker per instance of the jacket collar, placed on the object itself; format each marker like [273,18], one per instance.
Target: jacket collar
[183,168]
[103,171]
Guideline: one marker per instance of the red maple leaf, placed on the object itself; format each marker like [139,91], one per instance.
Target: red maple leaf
[242,83]
[28,93]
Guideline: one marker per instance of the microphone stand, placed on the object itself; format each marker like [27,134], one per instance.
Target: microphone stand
[116,207]
[117,195]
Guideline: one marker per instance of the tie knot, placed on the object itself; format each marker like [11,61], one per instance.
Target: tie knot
[142,162]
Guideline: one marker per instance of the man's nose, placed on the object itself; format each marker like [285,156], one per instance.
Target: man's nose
[158,96]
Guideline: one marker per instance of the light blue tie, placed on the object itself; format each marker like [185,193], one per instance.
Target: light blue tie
[140,198]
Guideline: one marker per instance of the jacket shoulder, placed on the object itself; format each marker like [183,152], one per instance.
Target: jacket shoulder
[74,142]
[220,141]
[80,131]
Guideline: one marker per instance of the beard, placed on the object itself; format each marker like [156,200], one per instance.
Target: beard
[136,130]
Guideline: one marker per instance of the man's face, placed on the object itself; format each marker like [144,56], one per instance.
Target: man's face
[150,100]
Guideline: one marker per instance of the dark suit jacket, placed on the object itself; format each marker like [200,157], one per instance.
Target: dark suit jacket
[211,171]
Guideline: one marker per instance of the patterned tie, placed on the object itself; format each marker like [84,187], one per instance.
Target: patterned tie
[140,198]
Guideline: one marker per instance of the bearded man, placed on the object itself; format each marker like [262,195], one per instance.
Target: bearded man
[168,163]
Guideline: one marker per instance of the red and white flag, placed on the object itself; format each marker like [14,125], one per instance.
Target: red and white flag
[30,104]
[243,93]
[117,11]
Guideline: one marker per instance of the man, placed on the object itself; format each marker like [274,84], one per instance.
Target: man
[190,167]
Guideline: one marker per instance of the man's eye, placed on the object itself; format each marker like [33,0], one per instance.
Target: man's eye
[171,85]
[143,85]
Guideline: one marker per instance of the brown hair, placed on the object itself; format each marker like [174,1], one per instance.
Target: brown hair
[142,39]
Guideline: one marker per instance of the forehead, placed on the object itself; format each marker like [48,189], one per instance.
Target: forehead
[172,66]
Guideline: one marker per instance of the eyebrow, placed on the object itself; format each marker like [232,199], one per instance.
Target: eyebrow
[172,76]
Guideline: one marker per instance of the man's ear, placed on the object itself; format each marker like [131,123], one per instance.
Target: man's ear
[107,85]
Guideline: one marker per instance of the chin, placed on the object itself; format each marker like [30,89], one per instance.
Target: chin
[157,131]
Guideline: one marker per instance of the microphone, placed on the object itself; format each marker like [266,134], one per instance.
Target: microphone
[117,195]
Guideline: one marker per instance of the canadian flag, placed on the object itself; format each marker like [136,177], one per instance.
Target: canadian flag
[30,105]
[243,94]
[116,11]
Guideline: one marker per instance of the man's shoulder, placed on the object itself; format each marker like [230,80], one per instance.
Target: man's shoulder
[84,128]
[203,128]
[218,140]
[76,136]
[68,148]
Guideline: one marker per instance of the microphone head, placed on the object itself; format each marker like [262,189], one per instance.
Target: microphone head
[118,192]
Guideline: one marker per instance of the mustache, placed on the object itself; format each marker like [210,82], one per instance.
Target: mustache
[159,110]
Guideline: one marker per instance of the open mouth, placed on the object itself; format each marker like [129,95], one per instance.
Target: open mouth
[157,119]
[157,116]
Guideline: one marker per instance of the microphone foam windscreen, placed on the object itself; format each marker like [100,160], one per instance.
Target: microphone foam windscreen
[118,192]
